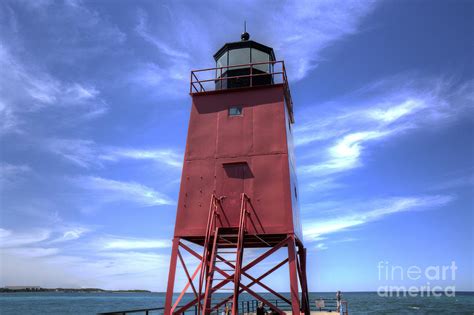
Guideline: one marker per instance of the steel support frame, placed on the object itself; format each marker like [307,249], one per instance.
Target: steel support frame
[297,272]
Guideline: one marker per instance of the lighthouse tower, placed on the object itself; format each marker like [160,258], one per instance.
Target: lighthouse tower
[238,185]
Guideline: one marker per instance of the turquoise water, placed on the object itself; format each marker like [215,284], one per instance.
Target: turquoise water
[92,303]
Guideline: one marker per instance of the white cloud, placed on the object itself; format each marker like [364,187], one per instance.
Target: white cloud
[9,121]
[397,111]
[341,219]
[25,89]
[71,234]
[311,27]
[130,243]
[321,246]
[118,270]
[344,154]
[31,252]
[168,77]
[87,154]
[34,243]
[340,131]
[163,46]
[149,75]
[107,191]
[461,179]
[16,270]
[9,238]
[80,24]
[110,262]
[79,93]
[321,185]
[182,42]
[162,156]
[80,152]
[109,270]
[11,172]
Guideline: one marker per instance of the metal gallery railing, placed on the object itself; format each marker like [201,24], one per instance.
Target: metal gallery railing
[252,74]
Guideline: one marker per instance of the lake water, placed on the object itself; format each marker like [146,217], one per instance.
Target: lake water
[92,303]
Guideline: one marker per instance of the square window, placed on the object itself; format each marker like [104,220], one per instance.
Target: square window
[235,111]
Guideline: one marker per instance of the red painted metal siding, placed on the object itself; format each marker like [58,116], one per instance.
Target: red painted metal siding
[228,155]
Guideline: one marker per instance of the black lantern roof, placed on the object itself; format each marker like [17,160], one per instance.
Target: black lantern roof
[245,44]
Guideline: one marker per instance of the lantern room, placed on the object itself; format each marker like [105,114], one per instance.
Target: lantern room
[241,62]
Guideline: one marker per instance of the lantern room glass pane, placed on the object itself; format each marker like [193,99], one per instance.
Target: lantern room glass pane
[260,56]
[238,57]
[222,62]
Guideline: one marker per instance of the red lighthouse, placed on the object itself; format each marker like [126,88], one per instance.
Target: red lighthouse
[238,185]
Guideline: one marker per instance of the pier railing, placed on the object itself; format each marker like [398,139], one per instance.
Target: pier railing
[247,307]
[147,311]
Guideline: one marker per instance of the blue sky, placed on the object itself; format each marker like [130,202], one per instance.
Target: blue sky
[94,111]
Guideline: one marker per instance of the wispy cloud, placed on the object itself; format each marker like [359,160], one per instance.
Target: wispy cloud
[26,89]
[156,40]
[341,130]
[161,156]
[130,243]
[33,252]
[71,234]
[459,180]
[9,173]
[300,38]
[88,154]
[81,152]
[9,238]
[9,120]
[323,243]
[106,261]
[31,237]
[109,191]
[344,154]
[351,214]
[321,246]
[117,270]
[169,75]
[109,270]
[84,31]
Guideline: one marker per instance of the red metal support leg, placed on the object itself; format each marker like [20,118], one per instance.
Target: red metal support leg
[293,268]
[171,276]
[303,280]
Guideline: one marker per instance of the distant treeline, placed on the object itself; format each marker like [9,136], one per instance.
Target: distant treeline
[69,290]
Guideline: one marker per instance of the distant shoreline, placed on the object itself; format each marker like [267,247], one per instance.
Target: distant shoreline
[68,290]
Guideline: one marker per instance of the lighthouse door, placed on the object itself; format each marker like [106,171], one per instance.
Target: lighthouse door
[230,186]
